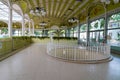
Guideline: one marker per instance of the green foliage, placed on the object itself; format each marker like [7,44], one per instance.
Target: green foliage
[4,30]
[83,27]
[63,31]
[96,25]
[118,35]
[67,38]
[115,17]
[58,33]
[102,21]
[3,24]
[37,33]
[90,26]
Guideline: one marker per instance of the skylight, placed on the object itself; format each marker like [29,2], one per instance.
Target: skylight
[16,16]
[4,13]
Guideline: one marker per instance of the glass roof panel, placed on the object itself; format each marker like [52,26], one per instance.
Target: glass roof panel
[4,13]
[16,16]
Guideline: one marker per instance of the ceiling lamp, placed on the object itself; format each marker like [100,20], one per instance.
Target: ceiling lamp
[38,11]
[108,1]
[116,1]
[79,0]
[43,23]
[73,20]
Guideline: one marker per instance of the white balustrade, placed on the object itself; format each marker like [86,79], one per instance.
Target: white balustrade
[77,53]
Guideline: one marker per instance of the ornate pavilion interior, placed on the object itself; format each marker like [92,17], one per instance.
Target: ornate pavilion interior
[60,39]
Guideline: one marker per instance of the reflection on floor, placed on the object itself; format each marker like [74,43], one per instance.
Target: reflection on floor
[33,63]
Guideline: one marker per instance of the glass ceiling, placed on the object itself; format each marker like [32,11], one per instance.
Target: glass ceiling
[4,13]
[16,16]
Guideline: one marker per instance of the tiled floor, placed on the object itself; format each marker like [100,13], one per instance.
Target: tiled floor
[33,63]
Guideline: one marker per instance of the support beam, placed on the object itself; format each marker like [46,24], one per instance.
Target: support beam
[73,31]
[68,32]
[46,33]
[105,25]
[32,27]
[88,31]
[65,32]
[79,33]
[43,33]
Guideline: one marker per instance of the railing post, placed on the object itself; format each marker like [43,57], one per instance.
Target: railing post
[75,56]
[55,49]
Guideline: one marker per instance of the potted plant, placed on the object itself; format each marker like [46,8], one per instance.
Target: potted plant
[58,33]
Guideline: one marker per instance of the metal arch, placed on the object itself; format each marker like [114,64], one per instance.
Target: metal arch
[94,4]
[3,21]
[90,7]
[19,12]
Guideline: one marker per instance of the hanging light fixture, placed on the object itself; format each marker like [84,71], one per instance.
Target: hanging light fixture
[108,1]
[79,0]
[105,1]
[38,11]
[73,20]
[116,1]
[43,23]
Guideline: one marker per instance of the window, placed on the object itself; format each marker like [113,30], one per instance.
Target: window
[113,35]
[16,16]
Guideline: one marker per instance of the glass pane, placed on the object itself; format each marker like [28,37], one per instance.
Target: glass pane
[97,25]
[83,36]
[16,16]
[114,21]
[75,34]
[114,37]
[83,27]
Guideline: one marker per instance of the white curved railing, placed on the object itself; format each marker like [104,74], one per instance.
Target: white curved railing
[77,53]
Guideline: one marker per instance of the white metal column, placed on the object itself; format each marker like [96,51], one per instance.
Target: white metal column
[88,30]
[33,27]
[23,26]
[29,28]
[106,24]
[10,23]
[79,33]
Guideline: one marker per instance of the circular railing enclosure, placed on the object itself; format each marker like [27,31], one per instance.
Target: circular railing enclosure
[88,54]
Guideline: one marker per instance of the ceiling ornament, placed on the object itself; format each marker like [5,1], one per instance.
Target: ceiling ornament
[38,11]
[73,20]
